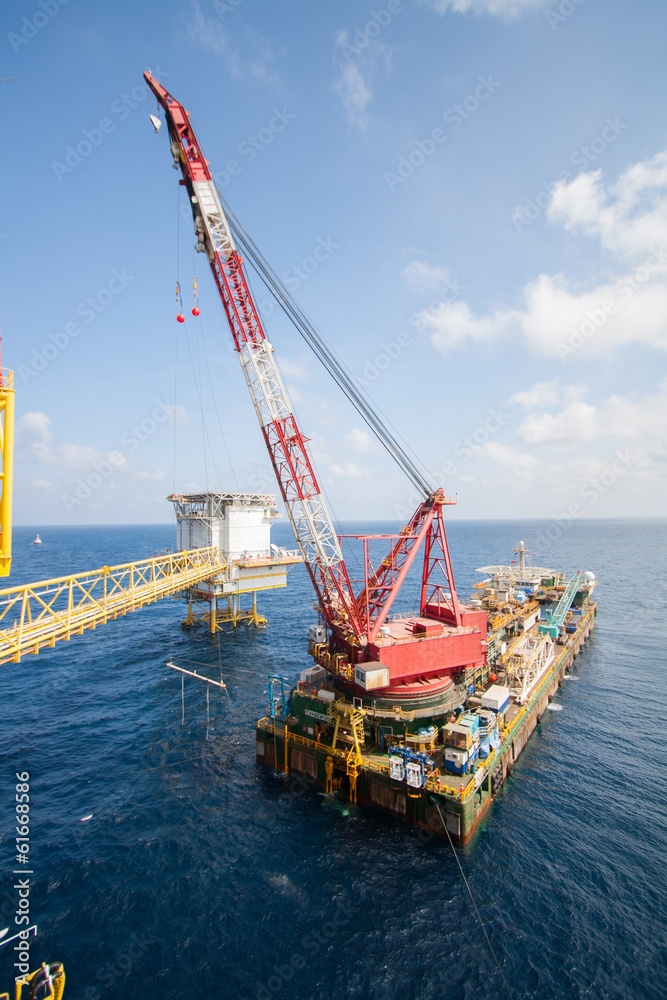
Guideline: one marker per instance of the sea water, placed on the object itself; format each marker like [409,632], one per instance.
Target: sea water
[167,864]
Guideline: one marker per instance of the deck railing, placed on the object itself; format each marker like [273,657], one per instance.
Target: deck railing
[37,615]
[433,784]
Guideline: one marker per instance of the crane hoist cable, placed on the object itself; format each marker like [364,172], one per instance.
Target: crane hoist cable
[369,412]
[353,618]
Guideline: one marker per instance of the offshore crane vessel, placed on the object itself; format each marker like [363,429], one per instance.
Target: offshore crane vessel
[401,712]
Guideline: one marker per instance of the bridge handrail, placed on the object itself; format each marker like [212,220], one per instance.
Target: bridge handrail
[193,556]
[56,609]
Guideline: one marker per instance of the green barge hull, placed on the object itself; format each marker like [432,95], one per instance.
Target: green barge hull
[447,803]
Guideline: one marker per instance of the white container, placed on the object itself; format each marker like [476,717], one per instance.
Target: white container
[371,676]
[496,698]
[324,695]
[530,620]
[317,633]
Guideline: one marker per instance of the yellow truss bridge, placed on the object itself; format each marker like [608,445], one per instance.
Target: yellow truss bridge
[37,615]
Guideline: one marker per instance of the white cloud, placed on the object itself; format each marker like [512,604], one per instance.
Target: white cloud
[523,473]
[576,423]
[355,94]
[360,440]
[640,420]
[247,57]
[610,450]
[350,470]
[451,324]
[557,322]
[558,318]
[422,277]
[643,420]
[357,66]
[34,442]
[539,395]
[520,463]
[43,486]
[157,476]
[508,10]
[629,217]
[34,425]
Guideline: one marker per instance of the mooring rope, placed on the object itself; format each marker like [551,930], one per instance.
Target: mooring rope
[472,898]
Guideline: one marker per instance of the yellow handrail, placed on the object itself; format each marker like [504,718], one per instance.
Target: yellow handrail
[6,467]
[57,609]
[433,784]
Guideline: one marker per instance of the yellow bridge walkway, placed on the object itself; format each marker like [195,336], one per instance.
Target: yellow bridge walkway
[36,615]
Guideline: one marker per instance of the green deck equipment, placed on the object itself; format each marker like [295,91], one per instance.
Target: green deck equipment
[555,618]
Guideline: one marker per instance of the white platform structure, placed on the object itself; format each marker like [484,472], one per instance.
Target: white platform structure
[239,525]
[509,579]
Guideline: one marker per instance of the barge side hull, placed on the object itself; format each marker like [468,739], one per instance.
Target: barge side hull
[461,809]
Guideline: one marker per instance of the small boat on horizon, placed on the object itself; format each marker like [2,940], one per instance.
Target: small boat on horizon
[37,541]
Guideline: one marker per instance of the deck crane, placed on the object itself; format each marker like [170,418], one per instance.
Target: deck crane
[411,656]
[555,617]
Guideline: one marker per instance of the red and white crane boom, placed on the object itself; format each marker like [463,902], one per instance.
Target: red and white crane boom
[447,638]
[306,507]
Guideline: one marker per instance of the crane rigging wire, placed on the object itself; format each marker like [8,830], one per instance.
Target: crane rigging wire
[206,439]
[472,900]
[336,520]
[340,375]
[215,406]
[369,412]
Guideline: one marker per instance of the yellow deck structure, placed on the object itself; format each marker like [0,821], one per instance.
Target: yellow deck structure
[37,615]
[6,467]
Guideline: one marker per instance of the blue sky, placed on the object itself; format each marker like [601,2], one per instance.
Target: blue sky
[484,181]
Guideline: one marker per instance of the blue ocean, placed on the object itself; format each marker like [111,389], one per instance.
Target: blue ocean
[168,863]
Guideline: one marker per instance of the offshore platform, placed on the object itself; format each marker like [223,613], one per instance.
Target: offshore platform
[238,525]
